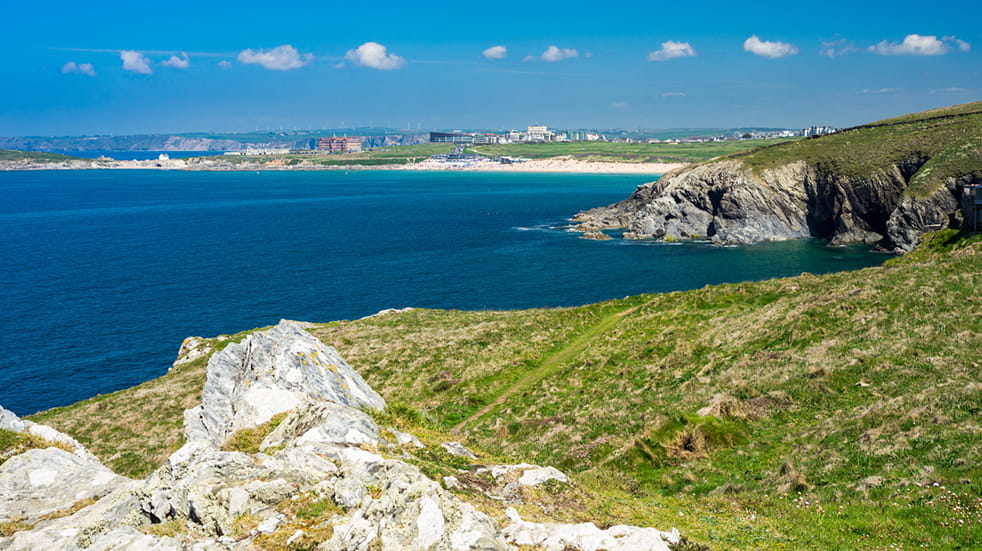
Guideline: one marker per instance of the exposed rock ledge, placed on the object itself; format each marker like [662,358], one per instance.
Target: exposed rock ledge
[727,203]
[326,449]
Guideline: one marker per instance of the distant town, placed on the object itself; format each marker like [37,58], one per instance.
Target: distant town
[533,134]
[542,134]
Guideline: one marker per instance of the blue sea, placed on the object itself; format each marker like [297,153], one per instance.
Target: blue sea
[106,272]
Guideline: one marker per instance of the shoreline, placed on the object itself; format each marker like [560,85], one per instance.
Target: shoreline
[207,164]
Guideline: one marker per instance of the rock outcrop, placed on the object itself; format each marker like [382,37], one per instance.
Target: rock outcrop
[728,203]
[268,373]
[33,483]
[320,479]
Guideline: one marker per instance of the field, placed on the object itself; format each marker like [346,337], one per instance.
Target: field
[583,151]
[815,412]
[929,147]
[38,156]
[395,155]
[622,152]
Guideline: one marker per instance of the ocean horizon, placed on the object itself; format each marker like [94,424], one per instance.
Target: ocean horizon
[108,271]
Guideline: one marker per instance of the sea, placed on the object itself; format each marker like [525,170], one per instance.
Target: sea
[106,272]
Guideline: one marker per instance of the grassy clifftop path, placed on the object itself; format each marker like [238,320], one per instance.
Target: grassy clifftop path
[815,412]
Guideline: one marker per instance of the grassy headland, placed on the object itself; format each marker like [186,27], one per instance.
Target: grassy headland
[932,146]
[815,412]
[394,155]
[622,152]
[37,156]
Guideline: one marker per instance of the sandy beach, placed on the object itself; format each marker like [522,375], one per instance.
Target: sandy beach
[218,164]
[552,165]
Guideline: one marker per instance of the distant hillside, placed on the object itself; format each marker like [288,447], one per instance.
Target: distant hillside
[883,183]
[12,155]
[192,142]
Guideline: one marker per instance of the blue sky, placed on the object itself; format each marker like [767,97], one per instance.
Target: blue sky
[134,67]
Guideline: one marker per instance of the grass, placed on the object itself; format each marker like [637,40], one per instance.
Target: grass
[15,443]
[38,156]
[624,153]
[584,151]
[815,412]
[248,440]
[394,155]
[929,148]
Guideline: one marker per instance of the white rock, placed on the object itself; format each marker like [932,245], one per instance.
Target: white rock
[456,448]
[451,482]
[10,421]
[536,476]
[270,524]
[430,524]
[41,481]
[270,372]
[586,536]
[403,438]
[323,422]
[132,540]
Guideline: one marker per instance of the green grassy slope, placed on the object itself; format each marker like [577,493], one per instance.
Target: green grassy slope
[40,156]
[395,155]
[624,153]
[932,145]
[817,412]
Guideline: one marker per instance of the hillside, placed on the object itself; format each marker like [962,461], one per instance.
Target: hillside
[624,152]
[35,156]
[884,183]
[815,412]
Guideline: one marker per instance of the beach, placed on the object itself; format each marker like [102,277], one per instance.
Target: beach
[558,165]
[552,165]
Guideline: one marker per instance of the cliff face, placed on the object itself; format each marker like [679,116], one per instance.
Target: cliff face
[729,203]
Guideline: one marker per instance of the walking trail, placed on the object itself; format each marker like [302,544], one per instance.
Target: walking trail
[551,364]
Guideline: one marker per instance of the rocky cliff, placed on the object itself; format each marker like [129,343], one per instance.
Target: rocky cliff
[319,473]
[883,184]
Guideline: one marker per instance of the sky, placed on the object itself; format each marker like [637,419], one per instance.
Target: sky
[86,68]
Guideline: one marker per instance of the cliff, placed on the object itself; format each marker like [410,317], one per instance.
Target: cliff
[885,183]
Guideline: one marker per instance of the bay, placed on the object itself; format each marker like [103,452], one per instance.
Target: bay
[106,272]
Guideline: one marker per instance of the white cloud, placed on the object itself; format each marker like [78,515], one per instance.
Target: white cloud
[962,45]
[175,62]
[71,68]
[373,55]
[495,52]
[673,94]
[224,64]
[619,105]
[280,58]
[553,54]
[672,50]
[529,58]
[135,62]
[879,91]
[913,44]
[770,50]
[837,48]
[954,90]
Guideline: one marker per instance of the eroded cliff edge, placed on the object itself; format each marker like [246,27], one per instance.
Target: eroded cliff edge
[883,184]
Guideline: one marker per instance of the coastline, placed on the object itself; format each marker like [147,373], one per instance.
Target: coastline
[207,164]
